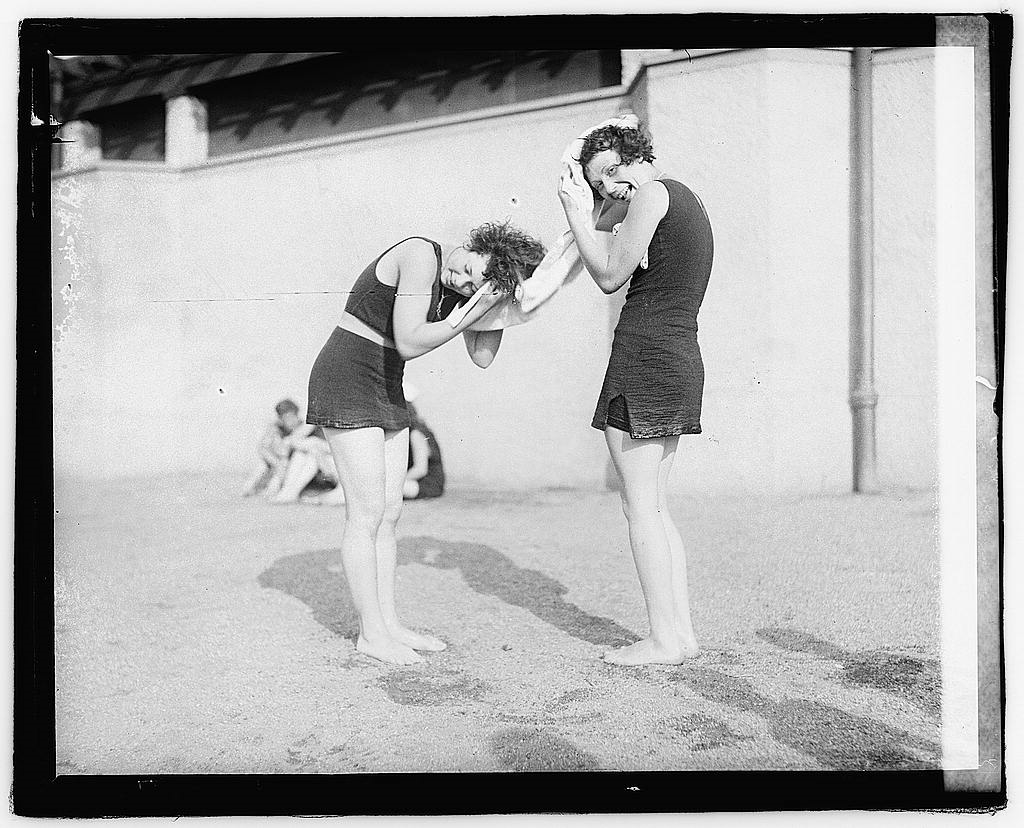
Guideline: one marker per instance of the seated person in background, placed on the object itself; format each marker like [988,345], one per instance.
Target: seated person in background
[292,455]
[425,477]
[273,451]
[310,466]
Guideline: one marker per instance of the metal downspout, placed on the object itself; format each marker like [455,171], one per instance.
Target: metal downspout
[863,397]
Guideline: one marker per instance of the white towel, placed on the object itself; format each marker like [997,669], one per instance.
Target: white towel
[562,263]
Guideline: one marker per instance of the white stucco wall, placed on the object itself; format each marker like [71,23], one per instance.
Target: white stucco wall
[905,267]
[265,247]
[264,250]
[764,137]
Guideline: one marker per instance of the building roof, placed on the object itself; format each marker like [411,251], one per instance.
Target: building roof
[90,82]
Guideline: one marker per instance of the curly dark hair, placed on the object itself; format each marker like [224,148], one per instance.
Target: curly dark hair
[514,254]
[631,144]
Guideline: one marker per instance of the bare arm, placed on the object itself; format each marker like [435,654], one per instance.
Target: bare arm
[419,450]
[414,336]
[272,444]
[482,346]
[646,209]
[308,441]
[270,438]
[297,437]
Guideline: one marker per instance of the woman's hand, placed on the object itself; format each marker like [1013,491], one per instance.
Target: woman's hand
[612,268]
[569,201]
[486,297]
[575,194]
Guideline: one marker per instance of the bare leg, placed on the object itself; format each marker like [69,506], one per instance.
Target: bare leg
[680,590]
[638,463]
[301,470]
[396,455]
[277,478]
[359,456]
[276,465]
[257,480]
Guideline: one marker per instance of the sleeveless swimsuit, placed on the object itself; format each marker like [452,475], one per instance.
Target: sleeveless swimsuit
[654,383]
[356,383]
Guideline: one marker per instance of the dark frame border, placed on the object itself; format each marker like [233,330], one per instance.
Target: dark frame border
[37,791]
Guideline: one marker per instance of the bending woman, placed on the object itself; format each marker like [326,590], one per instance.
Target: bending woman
[395,313]
[655,378]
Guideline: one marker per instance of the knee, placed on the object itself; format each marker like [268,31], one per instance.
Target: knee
[301,460]
[392,512]
[639,508]
[364,515]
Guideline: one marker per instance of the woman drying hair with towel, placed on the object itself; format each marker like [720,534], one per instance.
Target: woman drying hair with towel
[401,306]
[655,378]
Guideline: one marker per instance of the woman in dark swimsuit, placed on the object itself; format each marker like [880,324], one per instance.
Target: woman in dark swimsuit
[654,384]
[396,311]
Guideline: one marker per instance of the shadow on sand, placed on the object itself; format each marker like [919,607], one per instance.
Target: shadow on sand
[488,572]
[305,576]
[917,680]
[835,738]
[485,570]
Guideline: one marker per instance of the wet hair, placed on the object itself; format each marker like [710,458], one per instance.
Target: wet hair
[514,254]
[631,144]
[285,406]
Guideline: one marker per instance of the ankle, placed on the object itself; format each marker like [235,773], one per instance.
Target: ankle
[375,633]
[666,643]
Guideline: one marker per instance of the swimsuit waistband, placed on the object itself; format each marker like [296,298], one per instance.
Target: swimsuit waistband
[359,328]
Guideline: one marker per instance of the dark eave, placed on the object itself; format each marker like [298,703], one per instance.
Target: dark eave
[90,82]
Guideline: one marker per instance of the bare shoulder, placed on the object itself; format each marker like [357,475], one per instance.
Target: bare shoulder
[652,195]
[408,259]
[416,252]
[649,205]
[416,260]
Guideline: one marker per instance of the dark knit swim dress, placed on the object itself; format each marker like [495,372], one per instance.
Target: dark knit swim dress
[356,383]
[655,379]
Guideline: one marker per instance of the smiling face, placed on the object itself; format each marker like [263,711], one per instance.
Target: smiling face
[610,178]
[463,271]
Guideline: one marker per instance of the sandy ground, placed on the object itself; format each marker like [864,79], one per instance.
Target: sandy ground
[198,632]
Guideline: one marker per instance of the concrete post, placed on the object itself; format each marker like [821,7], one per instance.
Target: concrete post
[83,147]
[187,135]
[633,61]
[863,397]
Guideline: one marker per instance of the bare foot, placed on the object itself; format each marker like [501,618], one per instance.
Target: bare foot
[337,568]
[688,640]
[690,648]
[645,652]
[388,650]
[418,641]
